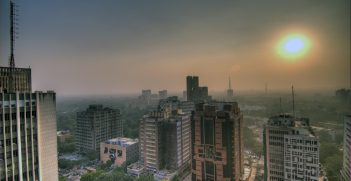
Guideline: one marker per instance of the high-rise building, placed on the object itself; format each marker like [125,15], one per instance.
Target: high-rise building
[164,138]
[291,149]
[28,143]
[346,169]
[194,92]
[217,142]
[95,125]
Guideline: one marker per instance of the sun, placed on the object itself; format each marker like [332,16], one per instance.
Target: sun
[293,46]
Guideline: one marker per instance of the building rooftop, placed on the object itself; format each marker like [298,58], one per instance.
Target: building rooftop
[124,142]
[289,121]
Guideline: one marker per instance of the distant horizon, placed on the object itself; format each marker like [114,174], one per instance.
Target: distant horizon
[212,93]
[126,46]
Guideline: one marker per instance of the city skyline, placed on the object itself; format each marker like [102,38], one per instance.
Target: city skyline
[123,47]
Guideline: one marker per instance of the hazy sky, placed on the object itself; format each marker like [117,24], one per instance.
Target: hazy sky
[110,46]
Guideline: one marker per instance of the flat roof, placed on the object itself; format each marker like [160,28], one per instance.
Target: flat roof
[122,141]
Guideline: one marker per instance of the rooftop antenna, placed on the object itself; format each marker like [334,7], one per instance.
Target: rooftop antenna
[230,84]
[293,99]
[12,33]
[280,105]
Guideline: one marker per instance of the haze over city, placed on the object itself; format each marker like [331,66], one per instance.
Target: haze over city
[119,47]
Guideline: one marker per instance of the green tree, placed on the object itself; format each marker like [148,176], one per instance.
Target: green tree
[146,177]
[91,176]
[333,165]
[327,150]
[62,179]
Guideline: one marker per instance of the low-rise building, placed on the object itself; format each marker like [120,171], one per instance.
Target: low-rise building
[119,151]
[136,169]
[63,136]
[164,175]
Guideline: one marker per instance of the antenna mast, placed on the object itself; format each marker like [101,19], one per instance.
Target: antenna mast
[280,105]
[12,34]
[230,84]
[293,99]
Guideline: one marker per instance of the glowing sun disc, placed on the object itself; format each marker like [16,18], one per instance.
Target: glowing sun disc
[293,46]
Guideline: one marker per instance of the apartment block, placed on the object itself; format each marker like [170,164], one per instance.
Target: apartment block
[95,125]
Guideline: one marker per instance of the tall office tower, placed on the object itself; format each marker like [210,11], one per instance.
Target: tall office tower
[95,125]
[164,138]
[194,92]
[346,170]
[230,91]
[28,142]
[162,94]
[291,149]
[192,84]
[217,142]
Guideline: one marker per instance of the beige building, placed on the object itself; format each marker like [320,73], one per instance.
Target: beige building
[119,151]
[28,143]
[165,140]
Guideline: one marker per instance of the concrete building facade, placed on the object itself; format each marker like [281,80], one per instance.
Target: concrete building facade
[217,142]
[95,125]
[346,169]
[119,151]
[291,149]
[165,140]
[28,143]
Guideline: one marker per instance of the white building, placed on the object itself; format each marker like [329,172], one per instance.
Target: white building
[346,170]
[28,143]
[291,150]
